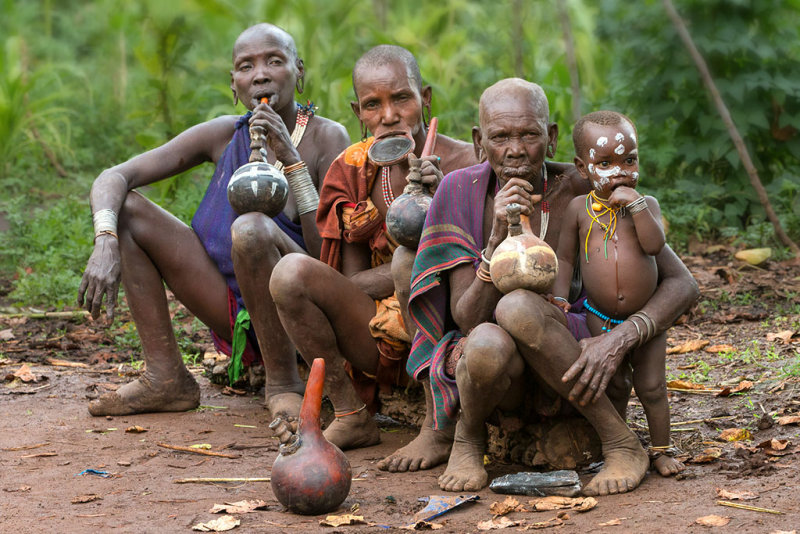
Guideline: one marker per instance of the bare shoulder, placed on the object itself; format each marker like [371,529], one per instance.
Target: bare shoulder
[211,137]
[455,154]
[324,129]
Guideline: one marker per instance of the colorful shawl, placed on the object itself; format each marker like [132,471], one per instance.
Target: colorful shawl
[346,211]
[214,216]
[453,235]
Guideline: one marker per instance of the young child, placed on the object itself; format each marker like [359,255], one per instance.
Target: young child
[616,233]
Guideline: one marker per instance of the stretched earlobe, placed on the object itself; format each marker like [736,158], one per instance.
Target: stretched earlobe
[235,98]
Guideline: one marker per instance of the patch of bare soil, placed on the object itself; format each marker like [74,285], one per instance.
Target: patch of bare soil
[734,395]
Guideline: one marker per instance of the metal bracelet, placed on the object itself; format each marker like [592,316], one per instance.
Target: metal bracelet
[483,275]
[561,299]
[302,187]
[484,259]
[105,222]
[670,450]
[640,204]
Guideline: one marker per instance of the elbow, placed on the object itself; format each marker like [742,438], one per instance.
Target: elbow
[654,249]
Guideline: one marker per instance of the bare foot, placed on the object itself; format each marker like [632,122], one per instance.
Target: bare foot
[141,396]
[465,470]
[668,466]
[353,431]
[625,466]
[286,406]
[429,449]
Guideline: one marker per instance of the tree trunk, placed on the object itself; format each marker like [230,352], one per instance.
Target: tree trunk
[744,155]
[572,64]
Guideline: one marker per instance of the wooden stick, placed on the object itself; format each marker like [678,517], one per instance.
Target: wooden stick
[694,421]
[733,132]
[26,447]
[213,480]
[751,508]
[696,391]
[198,451]
[47,315]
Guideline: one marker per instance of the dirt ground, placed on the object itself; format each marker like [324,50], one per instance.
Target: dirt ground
[741,370]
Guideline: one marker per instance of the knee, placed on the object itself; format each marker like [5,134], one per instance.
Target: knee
[252,235]
[489,356]
[521,314]
[290,277]
[402,264]
[619,387]
[650,389]
[132,209]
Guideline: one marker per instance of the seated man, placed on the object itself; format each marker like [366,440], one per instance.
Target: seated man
[478,365]
[345,308]
[222,263]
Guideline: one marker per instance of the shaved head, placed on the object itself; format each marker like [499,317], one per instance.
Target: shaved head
[267,30]
[387,54]
[514,88]
[601,118]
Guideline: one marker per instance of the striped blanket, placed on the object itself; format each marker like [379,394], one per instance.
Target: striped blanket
[453,235]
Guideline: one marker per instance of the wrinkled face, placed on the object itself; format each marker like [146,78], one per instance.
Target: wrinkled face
[514,136]
[612,159]
[264,66]
[389,100]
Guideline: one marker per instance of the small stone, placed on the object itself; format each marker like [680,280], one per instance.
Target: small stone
[124,463]
[765,422]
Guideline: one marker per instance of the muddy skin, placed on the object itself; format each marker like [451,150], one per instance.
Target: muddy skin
[429,449]
[156,248]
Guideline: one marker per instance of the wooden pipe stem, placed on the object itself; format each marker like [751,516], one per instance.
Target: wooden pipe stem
[430,141]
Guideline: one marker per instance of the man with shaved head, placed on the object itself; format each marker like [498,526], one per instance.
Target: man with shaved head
[219,268]
[483,351]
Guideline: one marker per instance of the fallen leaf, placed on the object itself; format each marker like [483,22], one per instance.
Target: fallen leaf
[232,391]
[736,495]
[789,420]
[507,506]
[744,385]
[497,523]
[135,429]
[783,335]
[684,384]
[735,434]
[239,507]
[690,346]
[708,455]
[754,256]
[775,447]
[713,520]
[720,348]
[80,499]
[6,335]
[344,519]
[226,522]
[553,502]
[612,523]
[25,374]
[423,525]
[21,489]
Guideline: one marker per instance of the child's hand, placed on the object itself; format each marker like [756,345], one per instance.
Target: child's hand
[622,196]
[560,302]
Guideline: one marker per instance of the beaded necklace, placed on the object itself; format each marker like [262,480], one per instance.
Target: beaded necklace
[304,114]
[386,186]
[595,210]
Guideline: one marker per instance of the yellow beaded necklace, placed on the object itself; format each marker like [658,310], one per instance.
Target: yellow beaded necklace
[596,209]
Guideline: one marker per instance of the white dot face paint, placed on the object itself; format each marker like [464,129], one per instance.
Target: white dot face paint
[591,154]
[619,138]
[602,141]
[635,177]
[633,138]
[619,150]
[591,168]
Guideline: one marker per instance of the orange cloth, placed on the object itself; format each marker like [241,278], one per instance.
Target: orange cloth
[346,211]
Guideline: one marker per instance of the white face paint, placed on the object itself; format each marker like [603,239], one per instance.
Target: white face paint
[619,150]
[591,154]
[619,137]
[635,177]
[591,168]
[601,183]
[633,138]
[607,173]
[602,141]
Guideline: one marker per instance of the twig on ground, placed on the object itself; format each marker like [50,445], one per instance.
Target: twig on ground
[214,480]
[198,451]
[695,421]
[751,508]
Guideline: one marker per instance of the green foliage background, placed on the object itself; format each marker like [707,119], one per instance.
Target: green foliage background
[97,82]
